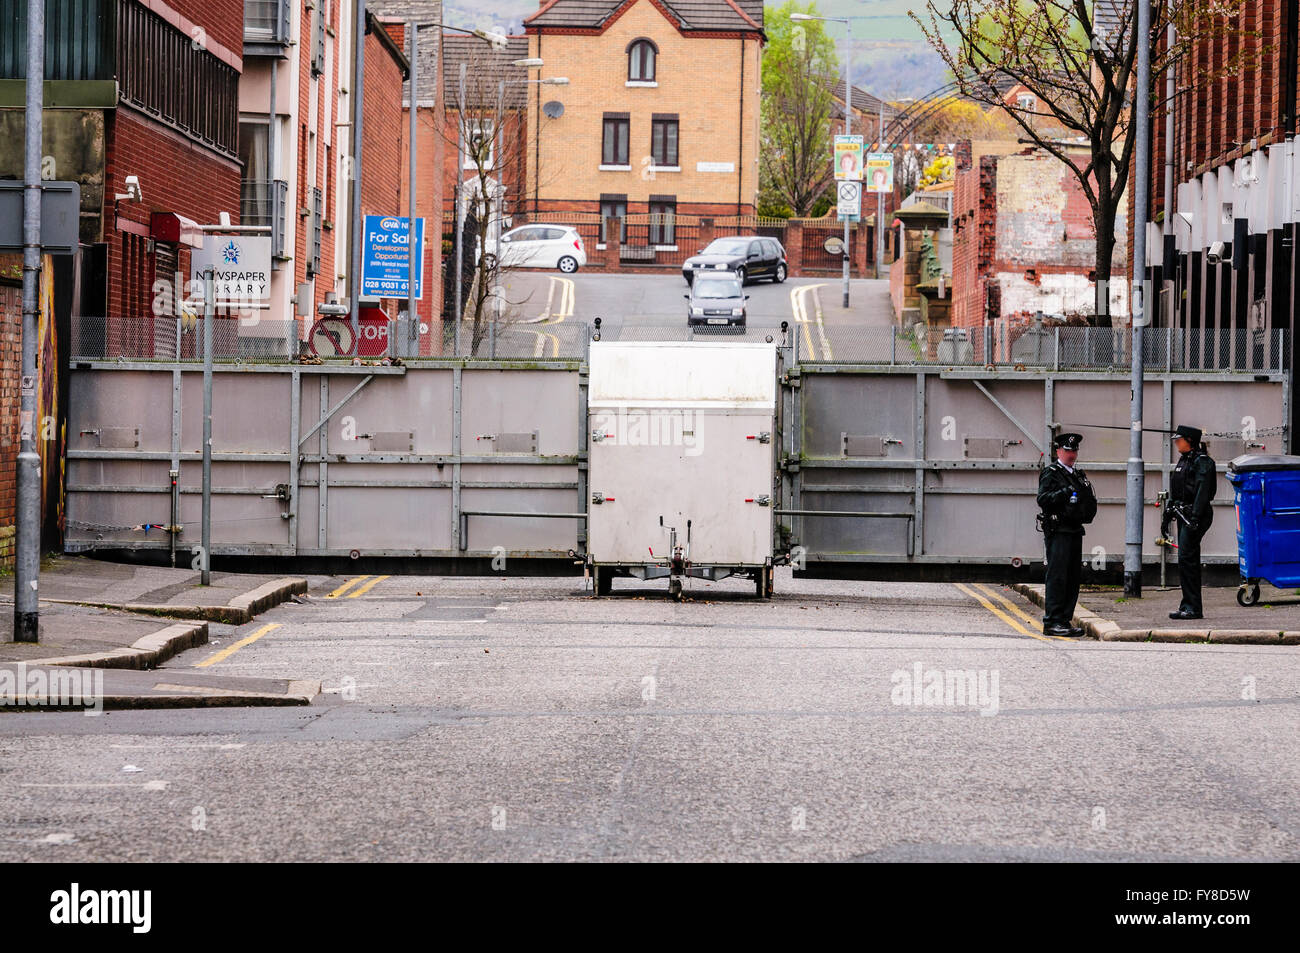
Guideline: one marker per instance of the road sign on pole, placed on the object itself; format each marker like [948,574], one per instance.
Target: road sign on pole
[849,204]
[386,268]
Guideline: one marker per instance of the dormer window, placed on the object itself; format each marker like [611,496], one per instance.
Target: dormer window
[641,56]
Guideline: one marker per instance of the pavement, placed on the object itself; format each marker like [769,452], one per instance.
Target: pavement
[157,590]
[106,616]
[1105,614]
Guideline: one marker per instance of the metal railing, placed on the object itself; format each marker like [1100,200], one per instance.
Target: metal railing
[266,21]
[1062,348]
[262,202]
[168,338]
[249,337]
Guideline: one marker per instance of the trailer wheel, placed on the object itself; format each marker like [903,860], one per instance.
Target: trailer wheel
[1248,595]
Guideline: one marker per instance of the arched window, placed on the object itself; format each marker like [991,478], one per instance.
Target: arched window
[641,56]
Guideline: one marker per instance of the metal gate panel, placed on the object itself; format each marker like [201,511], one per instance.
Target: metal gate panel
[834,404]
[962,407]
[948,506]
[406,501]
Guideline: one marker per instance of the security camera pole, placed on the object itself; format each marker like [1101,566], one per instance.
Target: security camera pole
[27,545]
[1138,306]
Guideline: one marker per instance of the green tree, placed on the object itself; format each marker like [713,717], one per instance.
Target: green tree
[800,70]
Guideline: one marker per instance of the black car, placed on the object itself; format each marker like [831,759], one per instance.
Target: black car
[748,256]
[716,298]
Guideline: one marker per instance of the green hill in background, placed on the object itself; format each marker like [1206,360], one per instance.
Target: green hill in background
[890,57]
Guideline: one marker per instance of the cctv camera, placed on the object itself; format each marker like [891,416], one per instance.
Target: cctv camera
[1215,253]
[133,188]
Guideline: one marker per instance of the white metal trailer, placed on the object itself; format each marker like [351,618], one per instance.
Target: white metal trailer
[682,462]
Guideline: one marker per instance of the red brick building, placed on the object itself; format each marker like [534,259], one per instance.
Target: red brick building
[143,90]
[11,362]
[1023,238]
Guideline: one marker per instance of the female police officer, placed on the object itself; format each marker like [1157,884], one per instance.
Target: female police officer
[1067,501]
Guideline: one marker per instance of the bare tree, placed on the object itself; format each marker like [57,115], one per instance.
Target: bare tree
[1077,79]
[485,126]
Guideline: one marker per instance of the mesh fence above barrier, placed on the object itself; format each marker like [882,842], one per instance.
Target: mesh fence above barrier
[1067,348]
[813,341]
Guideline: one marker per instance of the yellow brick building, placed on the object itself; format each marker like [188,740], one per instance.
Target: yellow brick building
[661,113]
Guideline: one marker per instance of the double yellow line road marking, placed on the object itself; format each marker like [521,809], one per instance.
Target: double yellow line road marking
[799,308]
[232,649]
[565,310]
[1010,613]
[353,588]
[373,581]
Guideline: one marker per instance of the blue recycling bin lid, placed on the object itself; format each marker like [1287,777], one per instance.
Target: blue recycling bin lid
[1257,462]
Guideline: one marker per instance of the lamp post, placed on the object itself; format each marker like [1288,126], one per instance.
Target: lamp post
[848,128]
[27,549]
[1141,312]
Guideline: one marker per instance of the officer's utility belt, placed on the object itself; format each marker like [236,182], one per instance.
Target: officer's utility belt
[1048,522]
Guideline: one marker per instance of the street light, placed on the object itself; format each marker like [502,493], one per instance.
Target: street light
[848,130]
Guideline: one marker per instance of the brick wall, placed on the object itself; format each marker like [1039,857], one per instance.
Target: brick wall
[974,217]
[221,21]
[11,322]
[430,200]
[1024,240]
[176,175]
[381,172]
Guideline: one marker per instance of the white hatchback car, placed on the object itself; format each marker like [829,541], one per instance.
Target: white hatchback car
[541,246]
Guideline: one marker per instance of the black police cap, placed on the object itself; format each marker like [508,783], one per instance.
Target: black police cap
[1190,434]
[1069,441]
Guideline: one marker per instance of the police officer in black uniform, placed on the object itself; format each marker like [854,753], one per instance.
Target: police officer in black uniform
[1191,488]
[1067,501]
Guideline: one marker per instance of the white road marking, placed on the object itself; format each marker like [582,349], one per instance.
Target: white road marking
[147,786]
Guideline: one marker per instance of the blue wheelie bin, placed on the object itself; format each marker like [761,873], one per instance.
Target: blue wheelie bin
[1267,497]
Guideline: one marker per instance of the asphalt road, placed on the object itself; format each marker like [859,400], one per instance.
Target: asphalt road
[519,719]
[546,312]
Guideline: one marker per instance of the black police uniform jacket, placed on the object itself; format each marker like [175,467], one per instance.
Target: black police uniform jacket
[1193,484]
[1056,485]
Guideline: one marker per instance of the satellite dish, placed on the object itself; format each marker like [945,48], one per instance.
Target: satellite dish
[553,109]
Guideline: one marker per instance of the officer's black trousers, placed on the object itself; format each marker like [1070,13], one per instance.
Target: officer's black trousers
[1064,572]
[1189,567]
